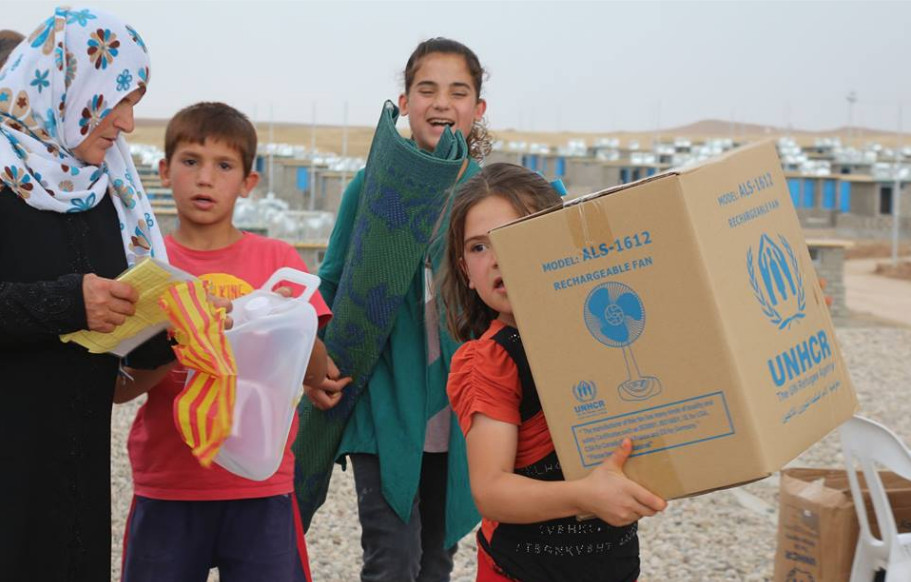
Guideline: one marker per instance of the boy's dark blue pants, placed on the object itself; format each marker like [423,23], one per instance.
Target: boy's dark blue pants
[248,540]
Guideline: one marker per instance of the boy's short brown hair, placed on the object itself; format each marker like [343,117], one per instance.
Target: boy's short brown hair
[215,121]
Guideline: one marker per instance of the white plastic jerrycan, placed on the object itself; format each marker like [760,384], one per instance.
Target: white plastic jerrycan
[272,338]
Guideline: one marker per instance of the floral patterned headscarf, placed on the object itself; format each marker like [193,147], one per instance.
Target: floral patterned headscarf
[55,88]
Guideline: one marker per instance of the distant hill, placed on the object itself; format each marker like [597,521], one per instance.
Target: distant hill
[330,138]
[722,128]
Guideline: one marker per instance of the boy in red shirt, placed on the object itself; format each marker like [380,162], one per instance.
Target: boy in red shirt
[186,519]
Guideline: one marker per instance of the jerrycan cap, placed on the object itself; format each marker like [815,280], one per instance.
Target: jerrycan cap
[257,307]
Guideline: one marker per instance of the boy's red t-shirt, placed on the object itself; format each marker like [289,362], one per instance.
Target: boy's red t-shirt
[163,466]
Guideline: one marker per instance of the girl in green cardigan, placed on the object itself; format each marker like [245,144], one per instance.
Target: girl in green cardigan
[410,470]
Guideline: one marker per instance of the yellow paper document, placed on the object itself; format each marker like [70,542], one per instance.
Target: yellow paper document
[151,278]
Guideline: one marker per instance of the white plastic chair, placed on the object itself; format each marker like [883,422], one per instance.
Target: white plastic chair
[869,444]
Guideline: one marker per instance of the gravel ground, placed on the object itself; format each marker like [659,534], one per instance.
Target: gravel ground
[722,536]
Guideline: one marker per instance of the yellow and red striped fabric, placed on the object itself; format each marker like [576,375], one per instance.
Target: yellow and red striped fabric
[204,409]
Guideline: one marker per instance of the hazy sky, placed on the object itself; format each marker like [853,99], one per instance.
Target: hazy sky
[596,66]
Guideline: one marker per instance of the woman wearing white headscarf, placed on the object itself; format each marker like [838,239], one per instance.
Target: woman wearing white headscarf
[73,215]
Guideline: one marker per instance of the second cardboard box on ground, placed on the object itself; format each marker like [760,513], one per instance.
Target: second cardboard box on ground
[817,522]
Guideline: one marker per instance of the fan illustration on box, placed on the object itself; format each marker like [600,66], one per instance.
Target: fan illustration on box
[615,316]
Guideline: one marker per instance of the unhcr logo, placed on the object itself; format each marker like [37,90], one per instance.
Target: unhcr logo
[778,285]
[585,391]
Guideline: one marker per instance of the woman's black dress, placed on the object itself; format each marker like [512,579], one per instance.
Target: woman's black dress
[55,398]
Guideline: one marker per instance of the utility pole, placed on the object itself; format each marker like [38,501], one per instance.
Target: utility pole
[852,99]
[896,191]
[312,202]
[787,118]
[656,140]
[345,151]
[271,148]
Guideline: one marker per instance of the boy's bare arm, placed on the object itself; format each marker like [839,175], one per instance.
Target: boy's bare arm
[326,392]
[322,382]
[502,495]
[318,365]
[127,389]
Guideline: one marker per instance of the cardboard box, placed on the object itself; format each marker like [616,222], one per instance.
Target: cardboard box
[817,523]
[681,311]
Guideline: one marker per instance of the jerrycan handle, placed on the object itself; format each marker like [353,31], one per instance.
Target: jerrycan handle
[309,281]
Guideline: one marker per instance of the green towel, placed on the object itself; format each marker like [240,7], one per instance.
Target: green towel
[405,192]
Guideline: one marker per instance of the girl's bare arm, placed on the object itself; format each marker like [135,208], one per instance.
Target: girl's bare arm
[501,495]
